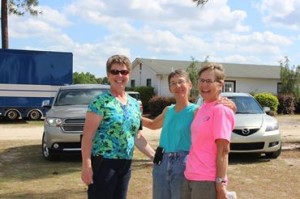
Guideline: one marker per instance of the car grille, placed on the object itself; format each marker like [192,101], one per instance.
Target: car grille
[247,146]
[245,132]
[73,125]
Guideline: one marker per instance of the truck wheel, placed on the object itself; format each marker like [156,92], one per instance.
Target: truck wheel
[12,115]
[35,115]
[47,154]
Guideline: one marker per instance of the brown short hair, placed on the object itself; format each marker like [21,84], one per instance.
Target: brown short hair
[119,59]
[180,73]
[217,68]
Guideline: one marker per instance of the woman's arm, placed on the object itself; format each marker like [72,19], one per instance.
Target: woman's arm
[142,144]
[91,124]
[223,149]
[156,123]
[229,103]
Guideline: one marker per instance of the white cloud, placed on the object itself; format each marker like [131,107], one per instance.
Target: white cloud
[281,13]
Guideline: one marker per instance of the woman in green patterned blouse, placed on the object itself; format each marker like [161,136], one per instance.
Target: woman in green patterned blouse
[112,128]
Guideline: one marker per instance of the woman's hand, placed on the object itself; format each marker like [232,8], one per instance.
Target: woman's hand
[87,175]
[221,190]
[228,102]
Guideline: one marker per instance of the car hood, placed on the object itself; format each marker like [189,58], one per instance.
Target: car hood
[249,120]
[74,111]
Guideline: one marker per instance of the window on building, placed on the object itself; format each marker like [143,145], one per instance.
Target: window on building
[132,83]
[279,87]
[148,82]
[229,86]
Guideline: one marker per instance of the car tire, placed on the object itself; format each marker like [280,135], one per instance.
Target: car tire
[274,155]
[47,153]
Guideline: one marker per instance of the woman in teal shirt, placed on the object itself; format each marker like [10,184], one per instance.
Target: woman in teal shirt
[175,138]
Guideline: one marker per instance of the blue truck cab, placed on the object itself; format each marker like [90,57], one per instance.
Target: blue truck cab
[28,77]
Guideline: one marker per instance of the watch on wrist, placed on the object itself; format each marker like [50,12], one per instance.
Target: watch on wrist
[220,180]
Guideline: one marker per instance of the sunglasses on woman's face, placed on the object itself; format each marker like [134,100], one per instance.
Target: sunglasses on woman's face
[117,72]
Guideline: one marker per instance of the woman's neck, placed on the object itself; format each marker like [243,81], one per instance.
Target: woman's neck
[120,96]
[181,105]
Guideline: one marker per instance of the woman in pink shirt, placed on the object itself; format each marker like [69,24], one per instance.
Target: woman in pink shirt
[206,167]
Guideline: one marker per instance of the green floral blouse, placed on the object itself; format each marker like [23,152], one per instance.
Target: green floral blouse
[115,135]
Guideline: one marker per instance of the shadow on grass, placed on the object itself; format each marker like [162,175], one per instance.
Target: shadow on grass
[62,193]
[247,159]
[25,162]
[140,164]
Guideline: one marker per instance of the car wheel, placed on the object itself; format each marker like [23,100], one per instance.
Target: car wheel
[35,115]
[12,115]
[274,155]
[47,154]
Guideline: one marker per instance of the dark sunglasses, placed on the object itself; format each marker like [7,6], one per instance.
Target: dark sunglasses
[117,72]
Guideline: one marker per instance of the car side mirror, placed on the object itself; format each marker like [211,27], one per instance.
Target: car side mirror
[267,109]
[46,104]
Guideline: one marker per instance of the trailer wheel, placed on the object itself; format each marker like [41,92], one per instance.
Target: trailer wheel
[35,115]
[12,115]
[47,154]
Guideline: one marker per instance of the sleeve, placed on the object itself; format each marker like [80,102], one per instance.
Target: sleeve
[97,105]
[224,122]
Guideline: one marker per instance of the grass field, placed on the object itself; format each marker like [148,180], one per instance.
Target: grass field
[25,174]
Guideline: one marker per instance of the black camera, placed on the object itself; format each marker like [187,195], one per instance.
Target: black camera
[158,155]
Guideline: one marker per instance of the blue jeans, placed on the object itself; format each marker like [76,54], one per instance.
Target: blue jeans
[111,179]
[168,176]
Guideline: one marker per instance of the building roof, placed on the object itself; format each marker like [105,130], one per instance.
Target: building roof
[164,67]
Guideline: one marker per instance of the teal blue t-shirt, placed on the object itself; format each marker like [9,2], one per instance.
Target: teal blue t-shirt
[115,135]
[176,131]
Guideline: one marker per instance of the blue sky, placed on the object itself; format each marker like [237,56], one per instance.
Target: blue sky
[229,31]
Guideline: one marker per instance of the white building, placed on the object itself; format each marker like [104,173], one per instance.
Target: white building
[239,77]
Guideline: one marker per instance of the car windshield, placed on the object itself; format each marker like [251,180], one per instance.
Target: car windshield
[246,105]
[76,96]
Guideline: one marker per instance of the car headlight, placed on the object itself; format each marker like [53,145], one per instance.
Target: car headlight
[272,126]
[54,121]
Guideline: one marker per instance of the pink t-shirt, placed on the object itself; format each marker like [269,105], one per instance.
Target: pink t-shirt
[213,121]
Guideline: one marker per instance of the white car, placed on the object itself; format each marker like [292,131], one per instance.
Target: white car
[255,131]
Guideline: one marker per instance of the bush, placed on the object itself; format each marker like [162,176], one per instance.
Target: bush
[146,93]
[267,100]
[297,107]
[157,104]
[287,104]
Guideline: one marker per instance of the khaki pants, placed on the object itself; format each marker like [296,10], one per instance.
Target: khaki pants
[199,190]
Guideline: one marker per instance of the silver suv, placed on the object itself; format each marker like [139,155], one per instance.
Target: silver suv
[64,122]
